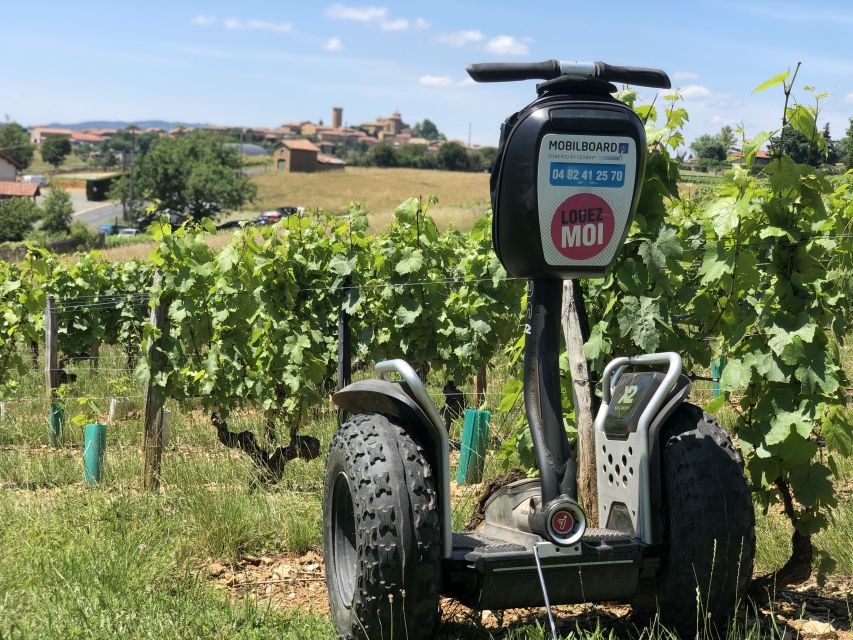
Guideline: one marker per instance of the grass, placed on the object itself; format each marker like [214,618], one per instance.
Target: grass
[40,167]
[462,197]
[116,562]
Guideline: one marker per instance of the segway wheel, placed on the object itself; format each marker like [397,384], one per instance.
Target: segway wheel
[381,537]
[711,528]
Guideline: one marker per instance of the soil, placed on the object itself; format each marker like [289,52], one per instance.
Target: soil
[292,581]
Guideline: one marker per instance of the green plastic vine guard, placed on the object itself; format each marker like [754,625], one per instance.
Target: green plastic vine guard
[717,367]
[94,446]
[56,420]
[475,439]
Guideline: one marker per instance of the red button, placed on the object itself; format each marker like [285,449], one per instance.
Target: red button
[562,522]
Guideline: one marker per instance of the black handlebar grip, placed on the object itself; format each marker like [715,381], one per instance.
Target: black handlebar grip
[510,71]
[633,75]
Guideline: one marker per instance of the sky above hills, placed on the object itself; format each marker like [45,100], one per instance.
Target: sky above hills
[263,63]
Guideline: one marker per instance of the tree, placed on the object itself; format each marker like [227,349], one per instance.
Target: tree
[55,149]
[709,147]
[416,156]
[426,129]
[484,158]
[57,212]
[128,144]
[15,144]
[382,155]
[845,147]
[195,174]
[454,157]
[798,147]
[832,151]
[727,138]
[17,216]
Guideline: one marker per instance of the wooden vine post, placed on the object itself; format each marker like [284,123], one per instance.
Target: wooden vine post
[51,373]
[480,385]
[152,435]
[575,330]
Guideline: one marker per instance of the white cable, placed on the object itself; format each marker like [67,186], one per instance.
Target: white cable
[544,591]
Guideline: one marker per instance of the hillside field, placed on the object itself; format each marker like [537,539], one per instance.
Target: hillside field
[462,197]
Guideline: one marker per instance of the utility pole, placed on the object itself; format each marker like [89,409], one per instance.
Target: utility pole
[132,168]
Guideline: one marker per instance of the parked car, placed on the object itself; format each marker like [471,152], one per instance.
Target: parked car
[129,232]
[233,224]
[174,218]
[289,211]
[109,229]
[272,216]
[41,181]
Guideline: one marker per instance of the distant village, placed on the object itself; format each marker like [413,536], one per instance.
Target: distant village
[295,146]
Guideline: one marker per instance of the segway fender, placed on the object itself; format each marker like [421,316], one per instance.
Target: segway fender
[387,398]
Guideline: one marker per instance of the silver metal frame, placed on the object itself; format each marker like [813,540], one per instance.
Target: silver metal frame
[384,370]
[575,68]
[635,492]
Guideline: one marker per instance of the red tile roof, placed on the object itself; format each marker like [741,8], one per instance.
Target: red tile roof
[301,145]
[758,154]
[20,189]
[86,137]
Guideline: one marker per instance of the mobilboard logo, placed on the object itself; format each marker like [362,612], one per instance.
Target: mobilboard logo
[586,145]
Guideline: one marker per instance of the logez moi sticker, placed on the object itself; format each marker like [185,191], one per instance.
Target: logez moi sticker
[582,226]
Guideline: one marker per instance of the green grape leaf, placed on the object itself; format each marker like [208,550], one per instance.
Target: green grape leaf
[786,422]
[715,405]
[772,82]
[735,376]
[838,431]
[811,484]
[639,321]
[411,260]
[408,311]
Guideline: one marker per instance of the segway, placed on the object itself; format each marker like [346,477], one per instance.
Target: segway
[676,532]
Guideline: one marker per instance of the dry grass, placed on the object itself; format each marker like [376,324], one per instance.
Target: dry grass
[376,190]
[142,250]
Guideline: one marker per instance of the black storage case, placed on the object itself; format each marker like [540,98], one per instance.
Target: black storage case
[565,105]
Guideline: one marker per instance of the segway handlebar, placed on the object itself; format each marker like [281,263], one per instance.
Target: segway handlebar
[550,69]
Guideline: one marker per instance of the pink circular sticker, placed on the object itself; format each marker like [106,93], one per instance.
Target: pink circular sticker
[582,226]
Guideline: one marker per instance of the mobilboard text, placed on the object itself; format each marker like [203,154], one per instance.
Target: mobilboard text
[575,145]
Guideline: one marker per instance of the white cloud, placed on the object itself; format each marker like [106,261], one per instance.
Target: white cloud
[204,21]
[461,38]
[723,120]
[422,24]
[684,75]
[357,14]
[695,91]
[334,44]
[848,98]
[508,46]
[435,81]
[237,24]
[399,24]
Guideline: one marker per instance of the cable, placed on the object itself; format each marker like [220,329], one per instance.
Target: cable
[544,591]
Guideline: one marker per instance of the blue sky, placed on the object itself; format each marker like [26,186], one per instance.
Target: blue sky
[263,63]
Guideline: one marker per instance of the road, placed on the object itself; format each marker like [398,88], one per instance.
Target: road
[92,213]
[100,213]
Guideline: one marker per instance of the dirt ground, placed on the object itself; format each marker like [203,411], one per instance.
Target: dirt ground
[292,581]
